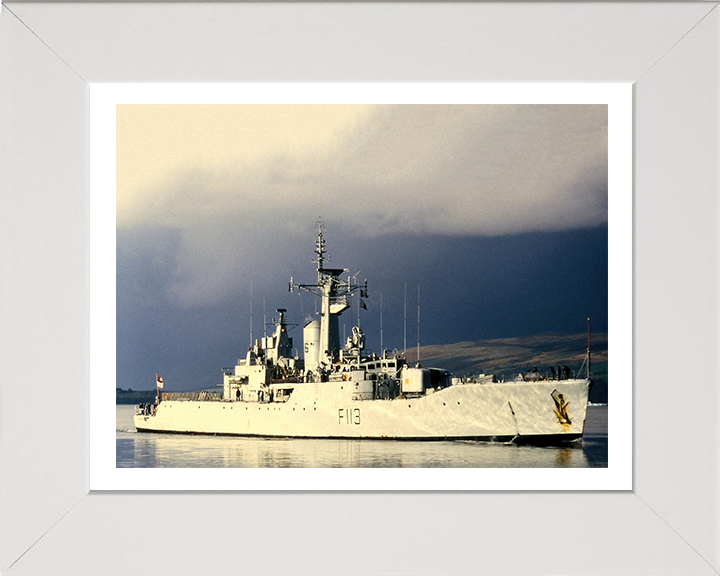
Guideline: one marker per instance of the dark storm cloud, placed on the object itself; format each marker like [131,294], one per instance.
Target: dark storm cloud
[406,170]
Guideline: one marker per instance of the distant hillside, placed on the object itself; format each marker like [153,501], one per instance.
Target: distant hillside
[512,355]
[133,396]
[504,357]
[507,357]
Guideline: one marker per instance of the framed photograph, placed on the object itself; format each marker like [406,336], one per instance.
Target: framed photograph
[515,167]
[61,482]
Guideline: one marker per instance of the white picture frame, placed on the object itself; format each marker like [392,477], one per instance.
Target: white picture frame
[49,521]
[104,475]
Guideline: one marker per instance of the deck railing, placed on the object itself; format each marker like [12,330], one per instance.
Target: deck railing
[193,396]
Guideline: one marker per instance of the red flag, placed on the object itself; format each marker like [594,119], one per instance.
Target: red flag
[158,380]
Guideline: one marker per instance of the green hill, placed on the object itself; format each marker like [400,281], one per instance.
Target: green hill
[133,396]
[504,357]
[508,357]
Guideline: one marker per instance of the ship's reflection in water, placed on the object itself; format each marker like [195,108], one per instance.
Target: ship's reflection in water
[179,451]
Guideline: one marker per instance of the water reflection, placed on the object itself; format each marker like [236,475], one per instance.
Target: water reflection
[170,451]
[179,451]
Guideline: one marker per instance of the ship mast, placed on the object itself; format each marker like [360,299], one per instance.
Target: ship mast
[588,348]
[381,323]
[334,296]
[405,321]
[418,328]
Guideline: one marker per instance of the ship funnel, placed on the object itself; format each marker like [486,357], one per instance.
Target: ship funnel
[311,338]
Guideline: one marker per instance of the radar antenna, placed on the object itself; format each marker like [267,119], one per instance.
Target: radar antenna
[320,245]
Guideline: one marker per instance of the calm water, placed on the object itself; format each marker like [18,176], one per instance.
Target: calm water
[134,450]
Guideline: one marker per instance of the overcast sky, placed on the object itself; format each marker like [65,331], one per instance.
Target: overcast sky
[498,213]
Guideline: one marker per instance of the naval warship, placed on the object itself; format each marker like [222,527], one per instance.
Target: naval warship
[340,390]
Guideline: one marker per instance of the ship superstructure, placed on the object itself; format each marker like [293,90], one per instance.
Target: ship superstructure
[338,390]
